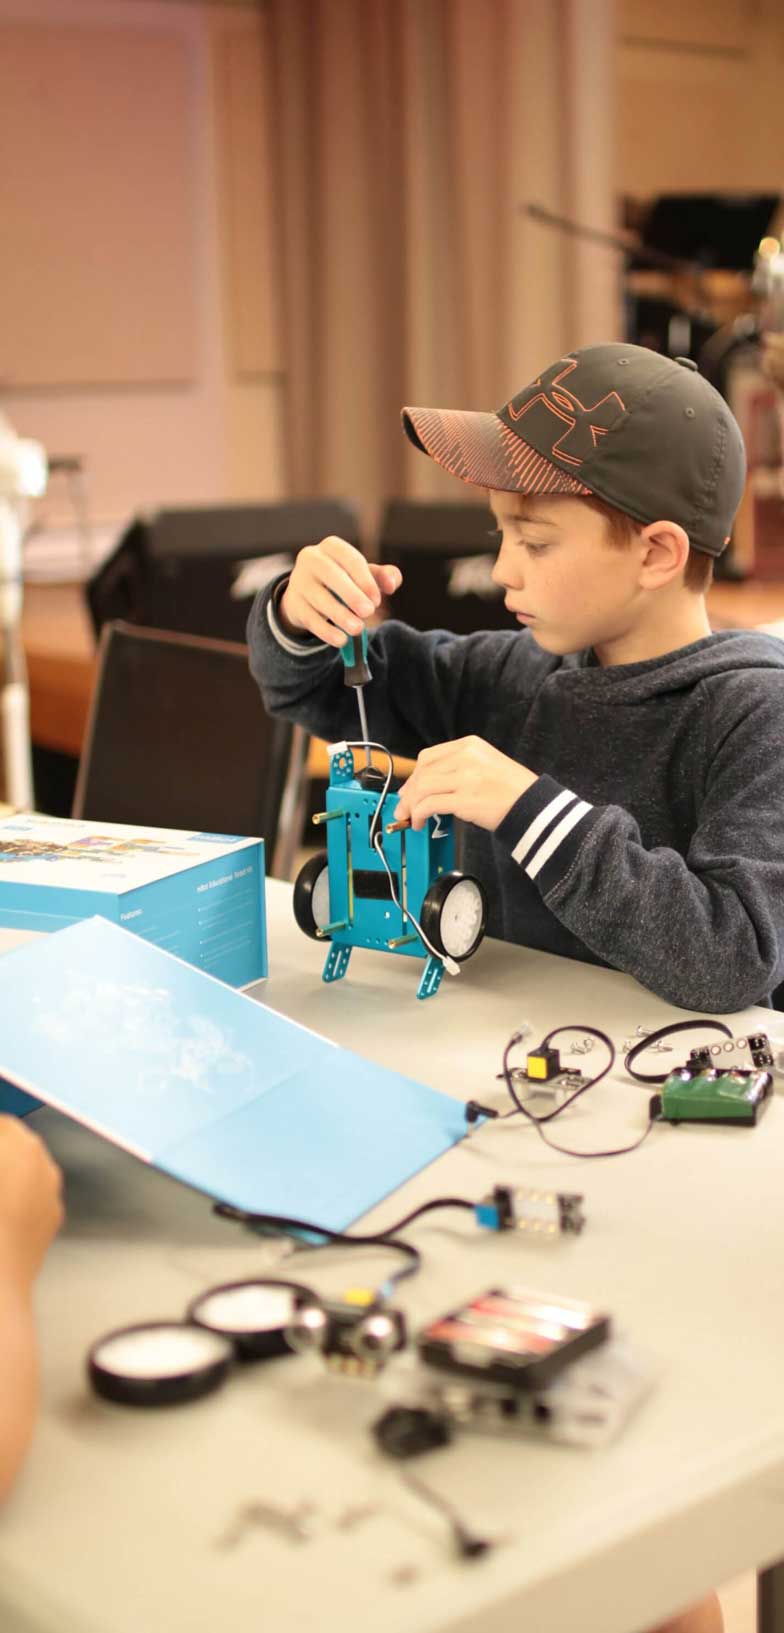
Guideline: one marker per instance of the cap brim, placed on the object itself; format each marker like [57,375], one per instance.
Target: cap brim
[482,450]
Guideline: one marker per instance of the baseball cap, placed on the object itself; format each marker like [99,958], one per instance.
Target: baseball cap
[646,433]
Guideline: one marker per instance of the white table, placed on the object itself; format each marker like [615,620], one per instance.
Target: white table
[115,1524]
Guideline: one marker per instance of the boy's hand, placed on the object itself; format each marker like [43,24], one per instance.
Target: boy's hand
[325,575]
[31,1207]
[467,779]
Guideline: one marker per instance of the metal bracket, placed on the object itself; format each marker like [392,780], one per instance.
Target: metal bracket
[337,963]
[430,979]
[342,767]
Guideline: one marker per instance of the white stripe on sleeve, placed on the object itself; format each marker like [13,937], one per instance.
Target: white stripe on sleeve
[558,834]
[527,840]
[298,649]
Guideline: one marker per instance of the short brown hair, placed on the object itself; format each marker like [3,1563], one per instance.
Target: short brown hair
[698,572]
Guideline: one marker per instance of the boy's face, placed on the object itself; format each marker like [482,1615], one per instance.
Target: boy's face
[563,577]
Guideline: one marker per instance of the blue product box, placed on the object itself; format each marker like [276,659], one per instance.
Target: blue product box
[198,895]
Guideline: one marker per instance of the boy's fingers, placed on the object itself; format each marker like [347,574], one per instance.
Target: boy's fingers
[436,752]
[434,805]
[388,579]
[327,605]
[325,631]
[333,577]
[354,565]
[441,785]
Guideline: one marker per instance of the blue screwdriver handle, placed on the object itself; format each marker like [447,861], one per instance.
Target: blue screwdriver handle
[354,654]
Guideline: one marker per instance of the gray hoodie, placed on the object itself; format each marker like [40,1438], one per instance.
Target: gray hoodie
[653,839]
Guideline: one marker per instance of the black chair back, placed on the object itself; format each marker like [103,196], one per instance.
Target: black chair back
[178,738]
[190,569]
[445,553]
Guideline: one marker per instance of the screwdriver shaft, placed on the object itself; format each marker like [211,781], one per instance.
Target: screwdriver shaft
[363,721]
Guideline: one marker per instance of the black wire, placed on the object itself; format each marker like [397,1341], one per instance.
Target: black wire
[665,1032]
[429,1207]
[613,1151]
[282,1223]
[468,1544]
[565,1150]
[384,1238]
[227,1211]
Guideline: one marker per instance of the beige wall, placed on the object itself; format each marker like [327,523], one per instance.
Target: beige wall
[185,406]
[700,99]
[699,108]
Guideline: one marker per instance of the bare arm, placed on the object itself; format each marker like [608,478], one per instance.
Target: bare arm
[30,1215]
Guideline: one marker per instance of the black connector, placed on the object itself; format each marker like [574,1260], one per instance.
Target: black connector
[468,1545]
[406,1431]
[474,1111]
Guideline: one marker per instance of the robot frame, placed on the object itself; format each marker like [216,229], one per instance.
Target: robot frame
[386,886]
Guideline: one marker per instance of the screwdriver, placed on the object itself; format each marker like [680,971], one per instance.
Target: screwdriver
[354,655]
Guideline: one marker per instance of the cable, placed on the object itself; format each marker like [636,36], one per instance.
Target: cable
[385,1238]
[664,1032]
[281,1222]
[377,843]
[430,1207]
[228,1211]
[565,1150]
[467,1543]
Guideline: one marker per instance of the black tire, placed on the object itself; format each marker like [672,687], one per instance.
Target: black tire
[305,884]
[433,905]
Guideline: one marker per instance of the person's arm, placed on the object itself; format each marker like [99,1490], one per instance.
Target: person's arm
[30,1215]
[702,931]
[425,687]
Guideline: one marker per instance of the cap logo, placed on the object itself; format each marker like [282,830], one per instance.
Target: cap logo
[553,406]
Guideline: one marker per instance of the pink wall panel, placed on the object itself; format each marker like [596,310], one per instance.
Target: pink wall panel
[96,183]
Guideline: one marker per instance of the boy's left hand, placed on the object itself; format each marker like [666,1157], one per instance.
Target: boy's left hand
[467,779]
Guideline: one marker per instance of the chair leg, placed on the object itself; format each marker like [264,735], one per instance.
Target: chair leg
[292,807]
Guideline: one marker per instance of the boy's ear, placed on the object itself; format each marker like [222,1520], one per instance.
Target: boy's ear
[665,552]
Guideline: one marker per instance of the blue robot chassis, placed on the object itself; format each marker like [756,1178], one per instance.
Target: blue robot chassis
[343,895]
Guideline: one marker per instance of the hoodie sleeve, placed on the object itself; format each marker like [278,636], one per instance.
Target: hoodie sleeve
[701,930]
[426,687]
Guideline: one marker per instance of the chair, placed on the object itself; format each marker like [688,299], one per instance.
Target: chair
[178,738]
[445,553]
[196,570]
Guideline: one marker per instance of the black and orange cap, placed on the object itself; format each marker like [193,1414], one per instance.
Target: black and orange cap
[646,433]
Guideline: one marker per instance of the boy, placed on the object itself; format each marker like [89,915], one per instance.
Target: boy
[617,766]
[30,1215]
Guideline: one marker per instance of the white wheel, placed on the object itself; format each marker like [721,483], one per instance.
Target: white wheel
[453,915]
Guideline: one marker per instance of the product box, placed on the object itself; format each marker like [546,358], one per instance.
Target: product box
[198,895]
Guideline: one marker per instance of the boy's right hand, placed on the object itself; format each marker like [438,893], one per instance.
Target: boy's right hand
[31,1206]
[326,575]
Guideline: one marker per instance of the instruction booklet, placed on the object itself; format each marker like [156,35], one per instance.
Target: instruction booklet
[208,1084]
